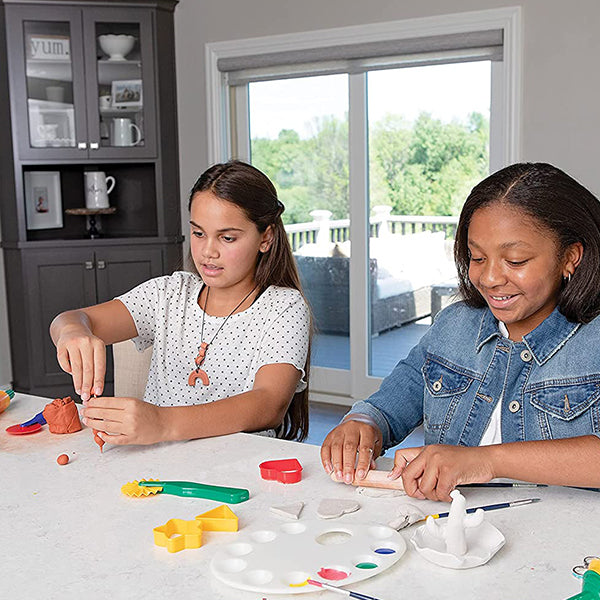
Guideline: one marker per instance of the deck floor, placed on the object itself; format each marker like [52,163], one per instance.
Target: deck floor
[387,349]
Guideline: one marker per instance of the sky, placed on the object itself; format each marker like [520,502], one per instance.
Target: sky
[446,91]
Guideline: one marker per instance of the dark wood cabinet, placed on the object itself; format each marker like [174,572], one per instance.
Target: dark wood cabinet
[91,87]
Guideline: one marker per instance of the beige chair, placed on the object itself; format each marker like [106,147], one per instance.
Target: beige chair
[131,369]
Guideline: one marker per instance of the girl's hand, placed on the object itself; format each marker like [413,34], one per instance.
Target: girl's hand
[83,356]
[432,472]
[338,452]
[122,421]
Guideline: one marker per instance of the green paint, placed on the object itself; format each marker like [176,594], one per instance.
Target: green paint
[366,565]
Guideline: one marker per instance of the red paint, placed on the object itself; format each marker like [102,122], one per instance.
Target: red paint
[332,574]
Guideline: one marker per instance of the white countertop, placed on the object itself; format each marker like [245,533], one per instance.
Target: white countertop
[68,531]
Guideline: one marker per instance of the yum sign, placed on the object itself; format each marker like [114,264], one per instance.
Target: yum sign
[49,47]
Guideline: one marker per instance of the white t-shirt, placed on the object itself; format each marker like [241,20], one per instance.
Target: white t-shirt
[493,432]
[275,329]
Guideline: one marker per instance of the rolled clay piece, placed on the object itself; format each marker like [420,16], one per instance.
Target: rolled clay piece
[377,479]
[62,416]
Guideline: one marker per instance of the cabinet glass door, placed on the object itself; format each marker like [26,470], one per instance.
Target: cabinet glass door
[49,84]
[120,99]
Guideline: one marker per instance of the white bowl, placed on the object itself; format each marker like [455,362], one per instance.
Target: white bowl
[116,46]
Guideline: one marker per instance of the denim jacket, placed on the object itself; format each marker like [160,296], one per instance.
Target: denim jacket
[548,384]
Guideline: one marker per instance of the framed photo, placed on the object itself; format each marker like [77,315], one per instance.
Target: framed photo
[43,202]
[127,93]
[48,47]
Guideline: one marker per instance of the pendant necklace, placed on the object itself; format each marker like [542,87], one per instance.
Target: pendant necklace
[199,373]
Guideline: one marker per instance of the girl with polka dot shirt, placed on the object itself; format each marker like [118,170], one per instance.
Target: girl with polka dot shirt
[230,342]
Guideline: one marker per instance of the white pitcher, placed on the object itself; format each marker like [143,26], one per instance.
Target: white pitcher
[122,132]
[97,188]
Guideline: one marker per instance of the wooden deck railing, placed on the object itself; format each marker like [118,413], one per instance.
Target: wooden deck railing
[323,230]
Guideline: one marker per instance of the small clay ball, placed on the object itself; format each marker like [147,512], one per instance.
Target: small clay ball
[63,459]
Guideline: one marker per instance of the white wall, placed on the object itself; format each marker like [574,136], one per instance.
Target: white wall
[561,87]
[560,111]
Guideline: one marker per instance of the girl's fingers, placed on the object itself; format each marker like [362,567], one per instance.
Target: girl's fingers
[63,360]
[99,370]
[76,370]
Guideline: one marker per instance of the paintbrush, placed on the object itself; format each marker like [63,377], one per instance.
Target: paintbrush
[342,591]
[505,484]
[487,507]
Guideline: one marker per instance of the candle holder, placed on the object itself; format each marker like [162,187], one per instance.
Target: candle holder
[91,214]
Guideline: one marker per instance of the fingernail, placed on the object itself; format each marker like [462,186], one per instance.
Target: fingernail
[78,391]
[360,474]
[85,396]
[98,391]
[328,468]
[348,478]
[339,475]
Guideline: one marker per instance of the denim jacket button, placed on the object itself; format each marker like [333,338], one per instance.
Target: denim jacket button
[526,356]
[514,406]
[437,386]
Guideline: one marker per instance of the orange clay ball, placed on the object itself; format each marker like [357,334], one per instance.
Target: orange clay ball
[63,459]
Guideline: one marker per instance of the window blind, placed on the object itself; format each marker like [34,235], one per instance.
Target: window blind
[357,58]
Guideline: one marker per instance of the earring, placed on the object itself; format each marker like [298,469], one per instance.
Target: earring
[567,279]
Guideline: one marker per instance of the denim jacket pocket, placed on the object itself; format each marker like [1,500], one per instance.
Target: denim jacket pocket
[567,409]
[445,385]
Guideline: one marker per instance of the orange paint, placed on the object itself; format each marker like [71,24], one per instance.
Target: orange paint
[63,459]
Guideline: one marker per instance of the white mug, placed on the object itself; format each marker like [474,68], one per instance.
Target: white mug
[122,132]
[96,190]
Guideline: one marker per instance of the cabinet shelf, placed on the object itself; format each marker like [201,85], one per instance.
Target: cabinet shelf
[57,125]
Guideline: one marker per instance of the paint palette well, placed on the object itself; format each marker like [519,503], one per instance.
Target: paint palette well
[280,559]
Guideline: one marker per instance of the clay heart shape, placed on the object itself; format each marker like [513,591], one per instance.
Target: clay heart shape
[332,508]
[287,470]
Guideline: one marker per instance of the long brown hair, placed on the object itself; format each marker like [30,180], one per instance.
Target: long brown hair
[252,191]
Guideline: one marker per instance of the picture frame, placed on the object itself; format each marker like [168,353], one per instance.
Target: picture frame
[43,200]
[127,93]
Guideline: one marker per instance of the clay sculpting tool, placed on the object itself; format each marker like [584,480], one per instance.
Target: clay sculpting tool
[342,591]
[188,489]
[31,426]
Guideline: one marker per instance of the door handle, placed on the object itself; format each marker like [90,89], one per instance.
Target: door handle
[81,146]
[89,264]
[94,145]
[101,264]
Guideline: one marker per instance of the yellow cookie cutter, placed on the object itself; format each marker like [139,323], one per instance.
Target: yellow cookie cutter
[221,518]
[188,535]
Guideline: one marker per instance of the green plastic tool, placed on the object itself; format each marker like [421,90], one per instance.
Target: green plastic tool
[190,489]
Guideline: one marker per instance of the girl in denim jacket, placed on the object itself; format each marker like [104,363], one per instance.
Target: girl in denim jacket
[507,382]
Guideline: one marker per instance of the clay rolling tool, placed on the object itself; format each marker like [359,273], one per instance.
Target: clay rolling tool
[188,489]
[342,591]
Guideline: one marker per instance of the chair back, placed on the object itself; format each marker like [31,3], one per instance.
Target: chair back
[131,369]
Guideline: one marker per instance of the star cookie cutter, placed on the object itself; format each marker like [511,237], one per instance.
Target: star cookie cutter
[188,535]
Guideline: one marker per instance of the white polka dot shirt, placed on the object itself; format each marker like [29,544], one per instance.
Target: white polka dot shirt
[275,329]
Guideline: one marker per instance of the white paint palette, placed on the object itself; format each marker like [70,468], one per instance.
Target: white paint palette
[280,559]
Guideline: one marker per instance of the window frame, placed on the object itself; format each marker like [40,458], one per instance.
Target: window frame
[228,126]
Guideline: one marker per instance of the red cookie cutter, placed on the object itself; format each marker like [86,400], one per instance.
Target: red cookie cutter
[287,470]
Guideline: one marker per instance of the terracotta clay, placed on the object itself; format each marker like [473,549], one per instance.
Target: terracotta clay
[98,439]
[63,459]
[62,416]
